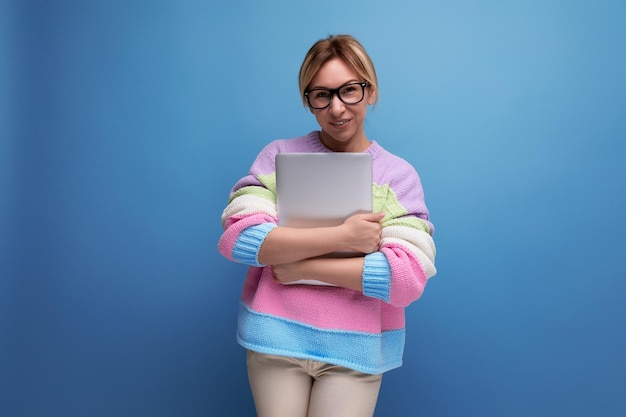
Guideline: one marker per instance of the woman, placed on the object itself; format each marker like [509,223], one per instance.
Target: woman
[320,351]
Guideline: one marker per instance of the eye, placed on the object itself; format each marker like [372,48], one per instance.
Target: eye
[320,94]
[349,90]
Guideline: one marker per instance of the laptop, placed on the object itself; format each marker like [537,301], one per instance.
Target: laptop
[322,189]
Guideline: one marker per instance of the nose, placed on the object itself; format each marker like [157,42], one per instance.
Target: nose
[336,105]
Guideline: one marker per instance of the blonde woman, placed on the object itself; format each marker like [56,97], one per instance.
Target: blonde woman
[321,351]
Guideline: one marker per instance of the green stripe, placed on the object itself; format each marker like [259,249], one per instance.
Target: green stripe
[256,191]
[385,200]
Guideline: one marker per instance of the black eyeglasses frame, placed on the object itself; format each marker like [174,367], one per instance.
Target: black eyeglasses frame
[335,92]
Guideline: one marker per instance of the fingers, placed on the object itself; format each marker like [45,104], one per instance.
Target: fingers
[371,217]
[376,217]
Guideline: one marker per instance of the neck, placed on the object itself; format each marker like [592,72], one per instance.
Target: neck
[356,144]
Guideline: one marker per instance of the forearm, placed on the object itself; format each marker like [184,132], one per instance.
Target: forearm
[342,272]
[285,244]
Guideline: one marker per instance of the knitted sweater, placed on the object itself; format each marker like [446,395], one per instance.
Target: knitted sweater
[364,331]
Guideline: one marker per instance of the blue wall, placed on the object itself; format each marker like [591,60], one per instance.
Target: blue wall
[124,124]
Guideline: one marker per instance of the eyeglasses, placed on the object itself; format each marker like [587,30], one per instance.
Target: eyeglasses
[351,93]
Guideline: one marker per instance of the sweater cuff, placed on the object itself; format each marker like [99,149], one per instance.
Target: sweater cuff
[376,276]
[249,243]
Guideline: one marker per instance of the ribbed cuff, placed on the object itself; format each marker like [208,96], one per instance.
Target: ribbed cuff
[249,242]
[376,276]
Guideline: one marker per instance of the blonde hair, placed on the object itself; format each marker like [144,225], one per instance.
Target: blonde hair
[344,47]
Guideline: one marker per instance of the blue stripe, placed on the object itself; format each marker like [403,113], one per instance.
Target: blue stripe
[365,352]
[247,245]
[377,276]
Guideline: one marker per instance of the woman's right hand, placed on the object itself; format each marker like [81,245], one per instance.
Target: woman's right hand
[362,232]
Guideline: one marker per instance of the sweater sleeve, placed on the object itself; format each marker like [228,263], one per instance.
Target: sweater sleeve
[250,214]
[399,271]
[245,227]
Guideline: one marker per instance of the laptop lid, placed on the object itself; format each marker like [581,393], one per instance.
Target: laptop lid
[322,189]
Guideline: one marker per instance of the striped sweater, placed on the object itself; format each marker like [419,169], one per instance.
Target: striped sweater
[364,331]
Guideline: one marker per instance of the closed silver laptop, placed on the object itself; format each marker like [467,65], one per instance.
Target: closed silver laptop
[322,189]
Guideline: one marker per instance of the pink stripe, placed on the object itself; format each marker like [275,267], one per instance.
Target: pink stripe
[234,225]
[407,275]
[319,306]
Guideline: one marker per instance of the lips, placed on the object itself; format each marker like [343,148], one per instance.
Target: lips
[340,123]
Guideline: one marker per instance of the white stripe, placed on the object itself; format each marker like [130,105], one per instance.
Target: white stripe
[418,242]
[249,204]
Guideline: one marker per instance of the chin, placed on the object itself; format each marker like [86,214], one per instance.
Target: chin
[342,136]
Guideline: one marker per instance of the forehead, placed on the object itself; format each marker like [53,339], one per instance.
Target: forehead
[333,74]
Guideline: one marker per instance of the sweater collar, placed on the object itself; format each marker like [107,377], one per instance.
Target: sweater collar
[315,144]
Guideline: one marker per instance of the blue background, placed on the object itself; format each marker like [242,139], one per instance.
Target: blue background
[124,124]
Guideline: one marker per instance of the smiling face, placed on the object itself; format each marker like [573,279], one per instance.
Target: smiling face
[342,124]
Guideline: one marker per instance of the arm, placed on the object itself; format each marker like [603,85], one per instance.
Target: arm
[406,246]
[341,272]
[359,233]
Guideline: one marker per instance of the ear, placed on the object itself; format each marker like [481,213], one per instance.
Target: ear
[371,97]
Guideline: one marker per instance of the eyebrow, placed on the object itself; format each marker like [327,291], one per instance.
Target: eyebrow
[320,87]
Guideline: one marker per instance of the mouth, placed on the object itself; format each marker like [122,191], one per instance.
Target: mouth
[340,123]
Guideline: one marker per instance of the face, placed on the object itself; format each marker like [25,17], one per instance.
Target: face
[342,124]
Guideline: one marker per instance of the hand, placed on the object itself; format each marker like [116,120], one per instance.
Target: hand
[286,272]
[362,232]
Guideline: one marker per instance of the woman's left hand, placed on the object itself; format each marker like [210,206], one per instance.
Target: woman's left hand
[288,272]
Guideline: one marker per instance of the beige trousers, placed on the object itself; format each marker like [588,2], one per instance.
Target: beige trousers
[288,387]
